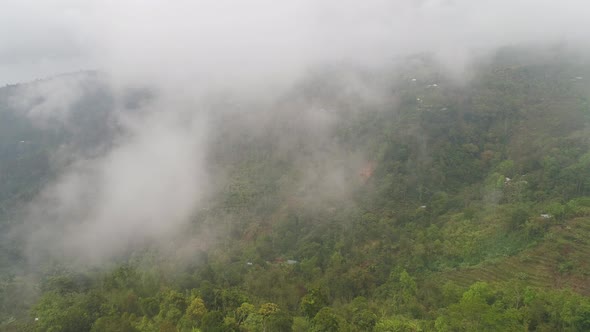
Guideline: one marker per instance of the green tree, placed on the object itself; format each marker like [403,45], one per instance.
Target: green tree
[112,324]
[325,321]
[313,301]
[172,306]
[68,312]
[212,322]
[196,310]
[243,312]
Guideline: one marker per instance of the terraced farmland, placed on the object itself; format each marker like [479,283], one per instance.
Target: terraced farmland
[561,260]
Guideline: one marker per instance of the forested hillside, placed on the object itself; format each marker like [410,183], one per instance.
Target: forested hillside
[401,198]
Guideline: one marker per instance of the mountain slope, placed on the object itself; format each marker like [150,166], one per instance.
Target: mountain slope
[360,200]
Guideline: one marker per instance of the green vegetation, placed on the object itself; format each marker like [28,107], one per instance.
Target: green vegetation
[436,208]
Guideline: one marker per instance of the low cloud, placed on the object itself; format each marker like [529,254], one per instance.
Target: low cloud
[146,186]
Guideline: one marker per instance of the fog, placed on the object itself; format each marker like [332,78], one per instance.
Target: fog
[153,179]
[262,39]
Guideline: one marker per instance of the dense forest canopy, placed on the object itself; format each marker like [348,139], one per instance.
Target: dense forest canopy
[396,198]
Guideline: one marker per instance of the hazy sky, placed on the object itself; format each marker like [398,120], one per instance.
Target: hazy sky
[232,39]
